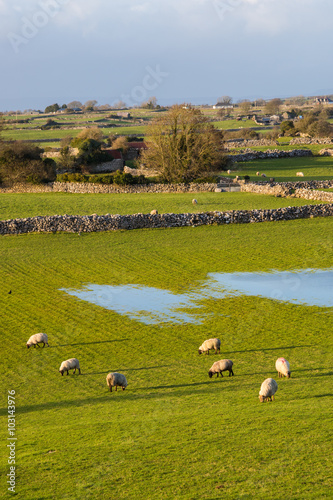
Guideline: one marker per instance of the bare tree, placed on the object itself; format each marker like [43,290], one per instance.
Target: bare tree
[119,105]
[90,104]
[244,106]
[150,103]
[225,99]
[273,106]
[74,104]
[182,145]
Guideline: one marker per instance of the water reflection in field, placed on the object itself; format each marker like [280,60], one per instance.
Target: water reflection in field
[154,306]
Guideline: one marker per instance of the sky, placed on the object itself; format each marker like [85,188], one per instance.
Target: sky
[191,51]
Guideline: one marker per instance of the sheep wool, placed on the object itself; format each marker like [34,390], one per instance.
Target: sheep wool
[38,338]
[224,365]
[70,364]
[267,390]
[210,344]
[115,379]
[282,367]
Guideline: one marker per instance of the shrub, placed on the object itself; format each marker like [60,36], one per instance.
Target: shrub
[50,124]
[123,179]
[21,162]
[72,177]
[120,143]
[211,179]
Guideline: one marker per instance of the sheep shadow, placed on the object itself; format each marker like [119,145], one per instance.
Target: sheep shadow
[270,349]
[105,397]
[173,386]
[326,374]
[89,343]
[127,370]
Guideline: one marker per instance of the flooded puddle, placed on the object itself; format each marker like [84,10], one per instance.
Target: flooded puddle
[145,304]
[310,287]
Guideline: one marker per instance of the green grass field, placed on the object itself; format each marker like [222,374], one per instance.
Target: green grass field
[284,169]
[236,124]
[174,433]
[19,205]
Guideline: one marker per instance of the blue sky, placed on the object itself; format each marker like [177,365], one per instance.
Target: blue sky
[177,50]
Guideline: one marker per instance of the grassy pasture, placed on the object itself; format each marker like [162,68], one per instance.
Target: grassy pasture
[19,205]
[284,169]
[23,135]
[233,124]
[174,433]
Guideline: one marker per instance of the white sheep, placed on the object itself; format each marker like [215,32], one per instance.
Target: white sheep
[258,173]
[229,171]
[194,201]
[115,379]
[282,367]
[299,174]
[38,338]
[154,212]
[224,365]
[210,344]
[267,390]
[70,364]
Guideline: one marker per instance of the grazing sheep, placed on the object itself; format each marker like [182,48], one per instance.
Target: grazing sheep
[210,344]
[267,390]
[194,201]
[116,379]
[154,212]
[258,173]
[70,364]
[263,175]
[38,338]
[224,365]
[283,368]
[299,174]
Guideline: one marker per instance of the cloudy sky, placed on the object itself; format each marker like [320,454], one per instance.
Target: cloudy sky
[177,50]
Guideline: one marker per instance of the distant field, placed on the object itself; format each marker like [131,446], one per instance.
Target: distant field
[20,135]
[232,124]
[17,205]
[284,169]
[315,148]
[60,133]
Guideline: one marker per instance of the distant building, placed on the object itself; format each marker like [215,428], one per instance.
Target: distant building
[322,100]
[221,105]
[123,114]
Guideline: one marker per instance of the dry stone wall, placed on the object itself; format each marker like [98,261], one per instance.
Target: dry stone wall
[269,153]
[108,222]
[86,187]
[306,190]
[311,140]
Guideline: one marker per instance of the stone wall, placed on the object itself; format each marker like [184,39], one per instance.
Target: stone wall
[306,190]
[107,166]
[269,153]
[86,187]
[254,143]
[94,223]
[311,140]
